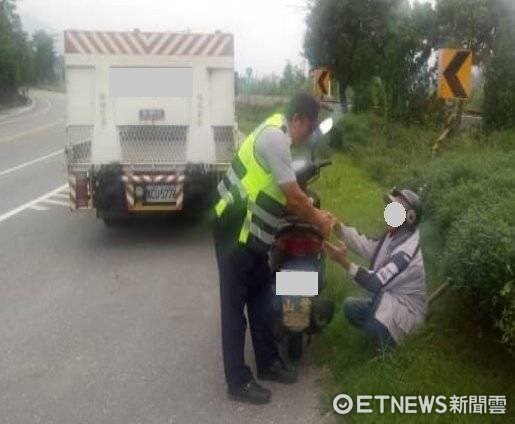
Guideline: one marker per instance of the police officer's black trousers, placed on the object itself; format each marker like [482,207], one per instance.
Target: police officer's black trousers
[245,279]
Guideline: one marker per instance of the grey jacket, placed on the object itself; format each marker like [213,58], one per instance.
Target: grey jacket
[396,277]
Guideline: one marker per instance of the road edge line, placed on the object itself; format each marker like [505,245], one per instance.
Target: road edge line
[30,162]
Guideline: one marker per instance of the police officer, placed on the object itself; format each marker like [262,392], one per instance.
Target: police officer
[259,187]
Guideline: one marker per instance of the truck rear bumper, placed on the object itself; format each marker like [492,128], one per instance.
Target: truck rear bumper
[116,190]
[137,188]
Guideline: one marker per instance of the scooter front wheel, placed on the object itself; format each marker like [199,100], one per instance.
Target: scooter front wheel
[294,344]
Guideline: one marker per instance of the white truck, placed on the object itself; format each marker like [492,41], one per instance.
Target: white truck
[150,119]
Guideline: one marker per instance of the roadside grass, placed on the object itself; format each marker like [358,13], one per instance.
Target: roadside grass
[445,358]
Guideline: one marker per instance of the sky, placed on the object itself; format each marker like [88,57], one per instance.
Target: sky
[267,33]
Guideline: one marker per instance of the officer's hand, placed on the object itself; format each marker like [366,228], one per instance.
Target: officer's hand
[337,252]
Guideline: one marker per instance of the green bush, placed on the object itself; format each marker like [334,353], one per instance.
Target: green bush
[479,258]
[469,199]
[389,152]
[352,130]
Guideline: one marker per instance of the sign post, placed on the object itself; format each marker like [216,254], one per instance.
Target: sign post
[454,83]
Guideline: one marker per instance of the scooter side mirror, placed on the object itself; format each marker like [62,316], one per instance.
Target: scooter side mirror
[326,125]
[323,128]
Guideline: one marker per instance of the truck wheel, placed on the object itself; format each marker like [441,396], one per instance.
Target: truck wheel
[295,346]
[114,222]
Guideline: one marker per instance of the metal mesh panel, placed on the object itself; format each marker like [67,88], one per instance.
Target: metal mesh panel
[153,143]
[78,140]
[224,143]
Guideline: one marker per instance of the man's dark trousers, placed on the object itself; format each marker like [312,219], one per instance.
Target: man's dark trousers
[245,279]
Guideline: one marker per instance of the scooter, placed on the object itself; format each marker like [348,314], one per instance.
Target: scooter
[298,261]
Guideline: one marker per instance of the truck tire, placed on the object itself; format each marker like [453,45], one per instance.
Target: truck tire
[109,194]
[114,222]
[294,344]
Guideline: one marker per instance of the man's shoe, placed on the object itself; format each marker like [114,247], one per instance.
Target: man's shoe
[280,372]
[250,392]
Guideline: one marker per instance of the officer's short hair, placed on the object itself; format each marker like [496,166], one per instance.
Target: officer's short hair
[305,105]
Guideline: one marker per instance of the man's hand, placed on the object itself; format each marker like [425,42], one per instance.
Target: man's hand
[327,223]
[338,229]
[337,252]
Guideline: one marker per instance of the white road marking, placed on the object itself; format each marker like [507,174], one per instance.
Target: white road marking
[21,208]
[38,208]
[55,202]
[30,162]
[64,195]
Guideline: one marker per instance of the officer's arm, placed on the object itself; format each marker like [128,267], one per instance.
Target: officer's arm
[299,204]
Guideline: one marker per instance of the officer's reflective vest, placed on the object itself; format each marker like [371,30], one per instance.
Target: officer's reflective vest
[248,182]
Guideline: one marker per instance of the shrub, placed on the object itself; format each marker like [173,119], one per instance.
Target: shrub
[352,130]
[479,261]
[469,199]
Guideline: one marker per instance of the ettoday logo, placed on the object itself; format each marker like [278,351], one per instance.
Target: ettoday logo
[439,404]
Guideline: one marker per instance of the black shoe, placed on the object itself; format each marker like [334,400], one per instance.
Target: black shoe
[250,392]
[280,372]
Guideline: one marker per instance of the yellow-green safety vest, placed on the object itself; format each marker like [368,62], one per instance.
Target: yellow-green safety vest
[248,182]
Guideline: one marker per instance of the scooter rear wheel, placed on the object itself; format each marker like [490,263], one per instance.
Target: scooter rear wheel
[295,342]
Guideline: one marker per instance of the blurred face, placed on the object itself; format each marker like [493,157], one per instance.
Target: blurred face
[300,129]
[387,201]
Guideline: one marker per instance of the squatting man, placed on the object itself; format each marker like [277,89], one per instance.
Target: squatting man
[395,281]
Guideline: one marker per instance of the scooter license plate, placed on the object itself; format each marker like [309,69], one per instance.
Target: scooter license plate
[296,283]
[296,312]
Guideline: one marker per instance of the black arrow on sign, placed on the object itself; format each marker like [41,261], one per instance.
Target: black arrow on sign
[450,74]
[321,79]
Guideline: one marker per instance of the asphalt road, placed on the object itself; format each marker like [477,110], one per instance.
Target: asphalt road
[103,325]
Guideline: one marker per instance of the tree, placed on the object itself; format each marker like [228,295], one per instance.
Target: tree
[288,79]
[15,55]
[248,73]
[499,91]
[342,36]
[469,24]
[406,79]
[44,57]
[293,79]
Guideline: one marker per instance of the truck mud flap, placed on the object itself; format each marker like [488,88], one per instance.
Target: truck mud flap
[80,191]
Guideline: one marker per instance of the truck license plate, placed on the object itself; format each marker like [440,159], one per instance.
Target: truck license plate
[161,193]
